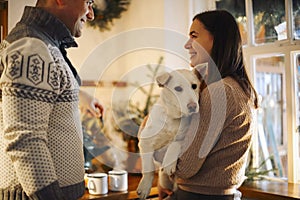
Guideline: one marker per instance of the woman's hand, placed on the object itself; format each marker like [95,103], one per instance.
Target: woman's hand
[163,192]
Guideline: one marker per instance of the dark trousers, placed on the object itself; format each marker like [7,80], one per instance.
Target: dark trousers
[184,195]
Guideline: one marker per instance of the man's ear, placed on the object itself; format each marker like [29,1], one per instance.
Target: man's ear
[163,79]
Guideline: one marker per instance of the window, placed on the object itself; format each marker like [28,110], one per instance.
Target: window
[271,32]
[271,134]
[296,19]
[269,21]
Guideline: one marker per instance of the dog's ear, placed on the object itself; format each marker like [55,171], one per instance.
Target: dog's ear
[163,79]
[201,70]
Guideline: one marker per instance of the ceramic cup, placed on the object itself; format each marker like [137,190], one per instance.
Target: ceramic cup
[118,180]
[97,183]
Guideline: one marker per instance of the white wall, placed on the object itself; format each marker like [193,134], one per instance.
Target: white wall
[15,10]
[167,14]
[115,54]
[140,14]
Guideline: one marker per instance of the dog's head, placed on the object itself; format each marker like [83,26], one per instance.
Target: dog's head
[180,92]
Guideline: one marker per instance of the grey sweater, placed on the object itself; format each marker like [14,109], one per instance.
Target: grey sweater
[41,152]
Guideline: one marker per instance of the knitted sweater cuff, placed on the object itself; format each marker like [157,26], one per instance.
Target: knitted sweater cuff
[51,192]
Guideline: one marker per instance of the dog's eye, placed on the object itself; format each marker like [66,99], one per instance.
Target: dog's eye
[194,86]
[178,88]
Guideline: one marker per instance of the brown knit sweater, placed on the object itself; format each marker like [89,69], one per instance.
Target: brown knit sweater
[218,141]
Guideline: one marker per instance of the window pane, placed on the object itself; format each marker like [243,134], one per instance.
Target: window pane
[269,20]
[271,136]
[296,14]
[237,9]
[297,74]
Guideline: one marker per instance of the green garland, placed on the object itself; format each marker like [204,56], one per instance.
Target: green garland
[104,18]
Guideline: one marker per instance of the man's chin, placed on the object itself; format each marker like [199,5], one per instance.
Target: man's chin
[77,32]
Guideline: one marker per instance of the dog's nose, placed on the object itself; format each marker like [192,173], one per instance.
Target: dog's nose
[192,106]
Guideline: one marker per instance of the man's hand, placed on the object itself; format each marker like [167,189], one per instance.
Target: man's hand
[87,103]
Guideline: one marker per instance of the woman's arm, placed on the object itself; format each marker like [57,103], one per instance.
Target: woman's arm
[204,131]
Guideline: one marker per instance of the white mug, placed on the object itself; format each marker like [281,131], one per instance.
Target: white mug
[97,183]
[118,180]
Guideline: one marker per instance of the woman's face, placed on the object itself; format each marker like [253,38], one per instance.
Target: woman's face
[200,43]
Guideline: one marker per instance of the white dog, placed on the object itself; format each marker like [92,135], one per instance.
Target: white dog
[167,122]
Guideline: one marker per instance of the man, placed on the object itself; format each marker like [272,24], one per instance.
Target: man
[41,152]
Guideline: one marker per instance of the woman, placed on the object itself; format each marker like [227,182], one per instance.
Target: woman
[213,162]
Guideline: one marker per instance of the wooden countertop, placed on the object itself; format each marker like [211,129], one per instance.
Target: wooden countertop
[270,190]
[258,190]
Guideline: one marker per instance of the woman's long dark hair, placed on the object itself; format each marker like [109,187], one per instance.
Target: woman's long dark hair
[227,48]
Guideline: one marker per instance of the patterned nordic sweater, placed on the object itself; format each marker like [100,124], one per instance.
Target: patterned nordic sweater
[41,152]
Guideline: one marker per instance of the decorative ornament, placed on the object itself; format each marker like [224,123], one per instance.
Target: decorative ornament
[106,11]
[101,4]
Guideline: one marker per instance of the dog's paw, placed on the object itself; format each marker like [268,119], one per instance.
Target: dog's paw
[143,189]
[170,169]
